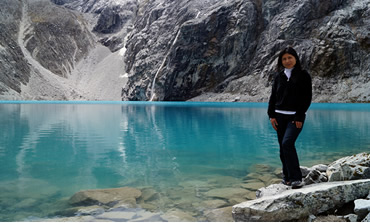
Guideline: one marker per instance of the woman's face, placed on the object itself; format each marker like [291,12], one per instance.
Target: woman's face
[288,61]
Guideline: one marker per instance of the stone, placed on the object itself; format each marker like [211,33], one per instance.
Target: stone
[329,218]
[261,168]
[291,205]
[149,194]
[311,218]
[315,176]
[109,197]
[320,167]
[237,200]
[266,178]
[211,204]
[69,219]
[305,171]
[145,216]
[350,218]
[253,186]
[350,168]
[362,207]
[271,190]
[117,215]
[219,215]
[177,215]
[367,218]
[227,193]
[90,210]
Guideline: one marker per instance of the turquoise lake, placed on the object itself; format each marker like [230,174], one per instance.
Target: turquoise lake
[51,150]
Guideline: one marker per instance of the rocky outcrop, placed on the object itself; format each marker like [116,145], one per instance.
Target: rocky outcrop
[318,196]
[56,37]
[41,44]
[299,204]
[14,69]
[185,50]
[182,50]
[350,168]
[114,19]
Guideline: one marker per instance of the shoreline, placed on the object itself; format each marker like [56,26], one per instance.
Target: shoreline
[213,208]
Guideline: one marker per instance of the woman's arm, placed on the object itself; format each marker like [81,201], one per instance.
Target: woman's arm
[305,97]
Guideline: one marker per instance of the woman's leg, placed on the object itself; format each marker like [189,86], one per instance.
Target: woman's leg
[290,153]
[282,125]
[287,135]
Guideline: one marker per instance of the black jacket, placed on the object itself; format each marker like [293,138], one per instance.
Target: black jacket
[293,95]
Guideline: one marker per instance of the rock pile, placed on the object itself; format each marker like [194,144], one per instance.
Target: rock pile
[197,200]
[325,195]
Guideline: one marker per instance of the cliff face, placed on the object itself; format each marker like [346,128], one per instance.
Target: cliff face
[181,50]
[217,50]
[14,69]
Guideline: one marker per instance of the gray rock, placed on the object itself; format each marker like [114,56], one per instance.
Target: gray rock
[367,218]
[14,69]
[362,207]
[227,193]
[350,168]
[320,167]
[315,176]
[177,215]
[351,218]
[271,190]
[299,204]
[219,215]
[305,171]
[117,215]
[108,197]
[181,57]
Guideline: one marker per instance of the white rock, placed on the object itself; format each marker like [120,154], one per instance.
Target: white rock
[117,215]
[351,218]
[271,190]
[320,167]
[362,207]
[350,168]
[299,204]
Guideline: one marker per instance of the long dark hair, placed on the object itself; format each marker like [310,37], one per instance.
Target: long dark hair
[292,52]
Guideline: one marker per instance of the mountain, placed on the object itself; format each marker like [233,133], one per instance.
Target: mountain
[211,50]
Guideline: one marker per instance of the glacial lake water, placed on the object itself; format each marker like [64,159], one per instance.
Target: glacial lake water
[51,150]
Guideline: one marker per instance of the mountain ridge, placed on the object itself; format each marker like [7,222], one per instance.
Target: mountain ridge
[166,50]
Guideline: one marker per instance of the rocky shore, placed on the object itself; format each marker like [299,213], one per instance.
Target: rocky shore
[339,191]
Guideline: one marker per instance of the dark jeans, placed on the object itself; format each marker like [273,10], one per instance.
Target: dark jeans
[287,135]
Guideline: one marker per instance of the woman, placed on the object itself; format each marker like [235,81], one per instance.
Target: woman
[290,99]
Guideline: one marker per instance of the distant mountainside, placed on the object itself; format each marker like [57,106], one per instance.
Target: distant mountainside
[210,50]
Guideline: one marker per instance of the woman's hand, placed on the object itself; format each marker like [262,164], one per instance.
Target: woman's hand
[274,123]
[298,124]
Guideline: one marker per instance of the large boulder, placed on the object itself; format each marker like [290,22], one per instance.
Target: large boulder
[299,204]
[350,168]
[107,197]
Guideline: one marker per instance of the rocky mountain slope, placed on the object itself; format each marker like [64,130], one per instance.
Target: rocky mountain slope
[211,50]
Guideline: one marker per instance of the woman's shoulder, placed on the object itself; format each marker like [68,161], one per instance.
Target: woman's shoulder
[306,74]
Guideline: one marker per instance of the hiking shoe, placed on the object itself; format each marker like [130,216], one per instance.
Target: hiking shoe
[286,183]
[296,184]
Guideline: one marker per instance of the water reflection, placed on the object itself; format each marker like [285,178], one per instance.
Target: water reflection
[63,148]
